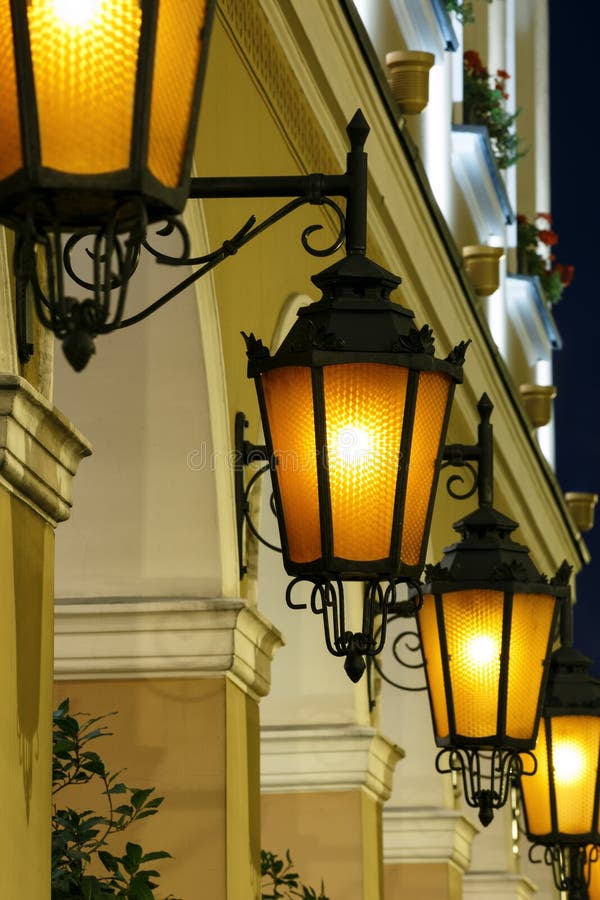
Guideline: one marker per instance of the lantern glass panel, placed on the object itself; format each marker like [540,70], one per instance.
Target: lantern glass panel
[536,788]
[473,622]
[575,747]
[175,70]
[532,617]
[430,414]
[575,742]
[432,655]
[288,398]
[11,158]
[84,55]
[364,413]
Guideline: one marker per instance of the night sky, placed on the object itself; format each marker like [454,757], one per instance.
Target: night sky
[575,157]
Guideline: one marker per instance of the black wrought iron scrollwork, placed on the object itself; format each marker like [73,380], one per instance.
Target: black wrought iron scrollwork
[245,454]
[457,478]
[327,599]
[114,256]
[486,776]
[571,865]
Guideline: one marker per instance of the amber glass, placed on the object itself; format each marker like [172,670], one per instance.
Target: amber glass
[473,625]
[288,397]
[532,618]
[430,414]
[10,136]
[575,742]
[364,413]
[432,656]
[84,56]
[175,71]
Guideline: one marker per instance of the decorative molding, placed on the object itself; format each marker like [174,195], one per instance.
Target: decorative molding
[427,835]
[253,34]
[40,450]
[531,318]
[479,180]
[164,638]
[327,758]
[497,886]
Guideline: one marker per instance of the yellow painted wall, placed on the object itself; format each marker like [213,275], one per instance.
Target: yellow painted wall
[331,835]
[188,738]
[434,881]
[26,646]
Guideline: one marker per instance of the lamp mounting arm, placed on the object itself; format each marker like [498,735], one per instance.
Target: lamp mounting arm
[462,455]
[112,255]
[313,188]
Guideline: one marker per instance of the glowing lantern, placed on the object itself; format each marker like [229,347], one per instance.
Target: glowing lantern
[486,627]
[98,108]
[355,409]
[561,800]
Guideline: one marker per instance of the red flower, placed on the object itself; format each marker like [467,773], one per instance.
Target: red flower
[565,273]
[547,237]
[502,74]
[521,219]
[546,216]
[472,60]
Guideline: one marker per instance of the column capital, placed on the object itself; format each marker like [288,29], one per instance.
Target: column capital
[165,638]
[497,886]
[427,834]
[327,758]
[40,449]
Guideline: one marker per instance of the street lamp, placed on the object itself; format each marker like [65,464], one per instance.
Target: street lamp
[486,626]
[561,801]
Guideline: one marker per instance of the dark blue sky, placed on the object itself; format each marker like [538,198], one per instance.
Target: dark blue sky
[575,159]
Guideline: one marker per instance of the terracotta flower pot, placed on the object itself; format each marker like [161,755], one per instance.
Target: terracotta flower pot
[409,78]
[482,264]
[581,507]
[537,400]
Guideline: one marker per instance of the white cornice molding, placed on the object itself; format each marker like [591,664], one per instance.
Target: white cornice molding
[479,180]
[164,638]
[40,449]
[497,886]
[403,228]
[427,835]
[327,758]
[532,320]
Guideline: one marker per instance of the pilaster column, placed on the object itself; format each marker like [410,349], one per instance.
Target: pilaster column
[497,886]
[322,794]
[426,851]
[185,676]
[39,454]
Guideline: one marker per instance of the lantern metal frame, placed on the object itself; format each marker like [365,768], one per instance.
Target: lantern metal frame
[485,556]
[571,691]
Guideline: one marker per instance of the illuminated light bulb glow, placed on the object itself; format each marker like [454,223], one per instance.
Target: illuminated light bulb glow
[568,762]
[353,445]
[76,13]
[482,650]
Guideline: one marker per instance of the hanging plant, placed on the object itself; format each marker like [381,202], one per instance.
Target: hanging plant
[484,99]
[533,259]
[464,10]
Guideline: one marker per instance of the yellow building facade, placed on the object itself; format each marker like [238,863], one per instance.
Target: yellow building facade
[227,700]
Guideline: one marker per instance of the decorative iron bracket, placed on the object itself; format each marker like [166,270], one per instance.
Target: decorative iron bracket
[114,256]
[245,454]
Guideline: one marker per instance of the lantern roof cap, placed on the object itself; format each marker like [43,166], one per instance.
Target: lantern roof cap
[487,557]
[570,686]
